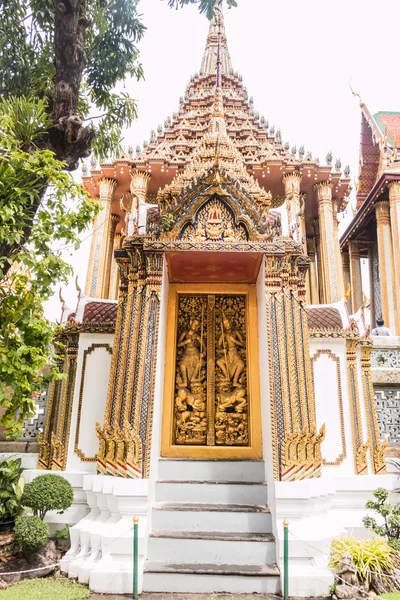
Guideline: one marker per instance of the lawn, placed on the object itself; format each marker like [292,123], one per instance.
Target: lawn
[45,589]
[391,596]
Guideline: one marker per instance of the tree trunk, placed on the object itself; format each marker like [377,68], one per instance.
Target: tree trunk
[68,138]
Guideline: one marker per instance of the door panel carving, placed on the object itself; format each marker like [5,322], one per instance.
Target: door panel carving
[211,391]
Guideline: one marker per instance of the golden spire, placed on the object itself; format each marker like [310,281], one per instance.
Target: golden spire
[208,63]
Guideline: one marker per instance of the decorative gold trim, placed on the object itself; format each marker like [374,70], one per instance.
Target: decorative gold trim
[360,448]
[377,449]
[254,450]
[86,353]
[338,461]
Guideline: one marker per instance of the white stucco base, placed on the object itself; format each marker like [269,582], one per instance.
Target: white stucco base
[319,510]
[101,553]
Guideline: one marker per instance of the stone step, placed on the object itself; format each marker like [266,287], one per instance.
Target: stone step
[218,492]
[218,547]
[208,577]
[179,516]
[177,469]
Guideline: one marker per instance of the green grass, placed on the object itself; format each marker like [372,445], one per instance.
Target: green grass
[391,596]
[45,589]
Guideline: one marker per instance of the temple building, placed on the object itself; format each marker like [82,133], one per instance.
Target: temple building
[218,375]
[373,236]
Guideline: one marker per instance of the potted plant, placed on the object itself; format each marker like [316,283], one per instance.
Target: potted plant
[11,491]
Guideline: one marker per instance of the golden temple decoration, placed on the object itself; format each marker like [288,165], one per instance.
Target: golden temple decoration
[387,261]
[377,448]
[98,274]
[360,448]
[296,441]
[126,435]
[54,441]
[211,390]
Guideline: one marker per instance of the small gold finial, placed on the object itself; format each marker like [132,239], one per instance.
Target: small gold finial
[286,523]
[135,520]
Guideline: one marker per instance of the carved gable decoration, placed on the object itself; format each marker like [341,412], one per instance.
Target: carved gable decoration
[214,221]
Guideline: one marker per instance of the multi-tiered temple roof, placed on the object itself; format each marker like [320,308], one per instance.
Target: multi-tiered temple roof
[258,146]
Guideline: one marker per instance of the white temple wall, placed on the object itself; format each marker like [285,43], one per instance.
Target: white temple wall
[332,404]
[90,395]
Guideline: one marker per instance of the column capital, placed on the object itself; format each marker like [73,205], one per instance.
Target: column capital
[354,247]
[394,191]
[115,220]
[324,190]
[139,181]
[107,187]
[382,212]
[294,179]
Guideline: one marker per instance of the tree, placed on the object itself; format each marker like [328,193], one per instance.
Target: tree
[205,6]
[60,64]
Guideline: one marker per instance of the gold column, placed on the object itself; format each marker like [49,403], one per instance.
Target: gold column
[339,265]
[312,273]
[346,280]
[97,274]
[114,220]
[386,267]
[125,439]
[296,440]
[333,280]
[394,203]
[292,182]
[355,276]
[320,268]
[360,448]
[139,182]
[53,409]
[371,286]
[376,448]
[114,277]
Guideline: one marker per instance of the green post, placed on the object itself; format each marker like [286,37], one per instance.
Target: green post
[135,557]
[285,560]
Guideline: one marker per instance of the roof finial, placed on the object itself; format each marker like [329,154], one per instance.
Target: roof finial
[218,110]
[208,62]
[355,94]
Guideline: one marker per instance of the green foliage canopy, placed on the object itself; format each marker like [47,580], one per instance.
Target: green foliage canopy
[390,518]
[48,492]
[11,489]
[61,67]
[30,532]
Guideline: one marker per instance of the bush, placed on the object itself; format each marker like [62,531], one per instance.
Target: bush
[372,554]
[390,514]
[11,489]
[48,492]
[30,532]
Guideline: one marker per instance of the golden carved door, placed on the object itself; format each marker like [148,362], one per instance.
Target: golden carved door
[211,396]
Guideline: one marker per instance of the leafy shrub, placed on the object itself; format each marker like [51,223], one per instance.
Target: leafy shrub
[390,514]
[373,554]
[62,534]
[48,492]
[11,489]
[30,532]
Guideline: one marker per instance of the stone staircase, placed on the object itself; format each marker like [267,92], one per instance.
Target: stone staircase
[211,529]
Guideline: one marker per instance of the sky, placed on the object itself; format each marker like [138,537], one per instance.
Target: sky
[296,58]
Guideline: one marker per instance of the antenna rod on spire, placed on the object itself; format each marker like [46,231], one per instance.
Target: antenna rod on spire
[219,51]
